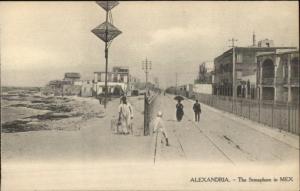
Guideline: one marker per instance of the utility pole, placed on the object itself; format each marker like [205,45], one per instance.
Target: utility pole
[176,77]
[233,73]
[233,68]
[0,59]
[232,41]
[146,66]
[253,39]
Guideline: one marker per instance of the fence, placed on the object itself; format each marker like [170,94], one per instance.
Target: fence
[278,115]
[149,107]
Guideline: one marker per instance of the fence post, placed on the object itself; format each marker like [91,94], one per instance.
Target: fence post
[242,108]
[259,111]
[249,108]
[288,108]
[232,104]
[272,113]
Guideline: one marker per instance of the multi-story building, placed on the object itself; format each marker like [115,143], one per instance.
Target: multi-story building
[278,76]
[245,59]
[119,76]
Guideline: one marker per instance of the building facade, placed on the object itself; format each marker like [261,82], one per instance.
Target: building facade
[119,77]
[245,59]
[278,76]
[87,88]
[72,77]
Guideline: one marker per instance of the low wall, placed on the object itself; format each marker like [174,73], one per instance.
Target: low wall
[203,88]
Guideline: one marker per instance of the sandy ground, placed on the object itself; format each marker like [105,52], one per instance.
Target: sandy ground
[92,139]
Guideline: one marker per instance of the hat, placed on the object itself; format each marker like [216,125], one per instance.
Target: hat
[159,114]
[123,98]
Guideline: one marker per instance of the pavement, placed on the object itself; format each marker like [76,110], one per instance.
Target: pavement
[222,137]
[93,157]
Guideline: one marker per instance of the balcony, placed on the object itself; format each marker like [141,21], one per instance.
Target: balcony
[280,81]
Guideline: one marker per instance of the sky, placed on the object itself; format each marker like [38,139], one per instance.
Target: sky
[40,41]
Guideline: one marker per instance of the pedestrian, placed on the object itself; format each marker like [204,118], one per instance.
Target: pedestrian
[197,111]
[121,98]
[125,116]
[159,126]
[179,110]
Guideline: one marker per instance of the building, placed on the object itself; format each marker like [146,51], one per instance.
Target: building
[87,88]
[72,77]
[70,85]
[278,76]
[184,90]
[134,83]
[266,43]
[118,77]
[245,59]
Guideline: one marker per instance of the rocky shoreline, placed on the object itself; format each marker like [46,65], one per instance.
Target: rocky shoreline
[29,111]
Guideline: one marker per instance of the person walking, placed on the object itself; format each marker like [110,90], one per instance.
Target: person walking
[159,126]
[179,110]
[125,115]
[197,110]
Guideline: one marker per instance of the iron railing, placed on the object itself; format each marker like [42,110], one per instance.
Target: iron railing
[283,116]
[280,81]
[294,81]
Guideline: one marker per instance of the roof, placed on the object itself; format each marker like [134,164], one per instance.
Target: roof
[72,75]
[279,53]
[55,82]
[228,52]
[112,73]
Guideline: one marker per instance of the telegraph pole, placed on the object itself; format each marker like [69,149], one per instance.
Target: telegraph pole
[146,66]
[232,41]
[233,68]
[233,73]
[176,76]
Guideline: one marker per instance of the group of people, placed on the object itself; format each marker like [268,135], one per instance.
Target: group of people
[180,112]
[126,117]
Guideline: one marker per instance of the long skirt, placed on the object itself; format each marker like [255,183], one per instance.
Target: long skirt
[179,115]
[124,125]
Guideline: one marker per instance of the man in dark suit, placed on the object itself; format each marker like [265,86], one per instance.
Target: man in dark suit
[197,110]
